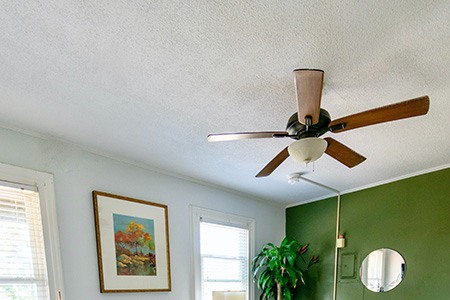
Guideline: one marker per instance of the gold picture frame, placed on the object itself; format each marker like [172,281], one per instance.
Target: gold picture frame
[132,244]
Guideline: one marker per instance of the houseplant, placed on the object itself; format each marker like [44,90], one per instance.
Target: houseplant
[277,270]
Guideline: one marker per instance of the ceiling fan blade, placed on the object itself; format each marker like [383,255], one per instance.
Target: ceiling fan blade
[220,137]
[402,110]
[342,153]
[274,163]
[308,87]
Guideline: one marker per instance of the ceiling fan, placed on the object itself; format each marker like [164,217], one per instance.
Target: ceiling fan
[312,121]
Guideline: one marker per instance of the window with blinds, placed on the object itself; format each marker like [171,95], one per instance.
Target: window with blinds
[223,245]
[23,271]
[224,252]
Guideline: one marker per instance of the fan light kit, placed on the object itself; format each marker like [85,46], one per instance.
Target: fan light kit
[307,150]
[311,121]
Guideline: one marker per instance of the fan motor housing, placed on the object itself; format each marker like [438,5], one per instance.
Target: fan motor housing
[298,131]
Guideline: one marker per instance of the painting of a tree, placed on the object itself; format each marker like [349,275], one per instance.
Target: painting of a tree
[135,245]
[132,244]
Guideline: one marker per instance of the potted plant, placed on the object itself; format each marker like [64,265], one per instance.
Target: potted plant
[277,269]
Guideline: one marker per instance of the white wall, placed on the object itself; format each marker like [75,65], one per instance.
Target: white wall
[77,173]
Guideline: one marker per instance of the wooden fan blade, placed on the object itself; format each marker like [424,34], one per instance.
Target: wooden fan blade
[308,87]
[402,110]
[274,163]
[343,154]
[220,137]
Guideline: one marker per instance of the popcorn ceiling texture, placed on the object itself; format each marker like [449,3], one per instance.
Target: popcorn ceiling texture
[146,81]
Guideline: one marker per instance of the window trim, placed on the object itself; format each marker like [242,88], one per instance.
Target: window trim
[197,213]
[45,186]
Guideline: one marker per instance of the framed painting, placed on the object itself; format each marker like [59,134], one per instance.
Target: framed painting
[132,244]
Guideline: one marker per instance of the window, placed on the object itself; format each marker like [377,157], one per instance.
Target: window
[223,248]
[29,260]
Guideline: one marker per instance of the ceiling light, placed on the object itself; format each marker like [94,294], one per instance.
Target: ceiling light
[307,150]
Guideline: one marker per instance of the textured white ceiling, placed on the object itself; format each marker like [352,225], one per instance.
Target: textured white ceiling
[146,81]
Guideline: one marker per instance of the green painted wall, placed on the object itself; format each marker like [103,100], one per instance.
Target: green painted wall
[410,215]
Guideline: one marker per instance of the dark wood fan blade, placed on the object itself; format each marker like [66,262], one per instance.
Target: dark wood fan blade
[402,110]
[308,87]
[220,137]
[274,163]
[343,154]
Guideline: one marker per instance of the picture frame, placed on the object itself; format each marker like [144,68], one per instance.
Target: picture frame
[132,244]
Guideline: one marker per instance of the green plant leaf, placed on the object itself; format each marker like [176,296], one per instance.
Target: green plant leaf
[287,295]
[265,282]
[293,277]
[285,241]
[272,264]
[268,246]
[291,257]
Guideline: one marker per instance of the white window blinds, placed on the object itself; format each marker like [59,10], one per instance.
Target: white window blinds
[23,271]
[224,252]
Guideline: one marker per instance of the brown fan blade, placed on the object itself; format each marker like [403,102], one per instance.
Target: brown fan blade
[274,163]
[343,154]
[308,87]
[402,110]
[220,137]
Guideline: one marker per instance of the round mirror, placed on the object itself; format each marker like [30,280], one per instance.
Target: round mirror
[382,270]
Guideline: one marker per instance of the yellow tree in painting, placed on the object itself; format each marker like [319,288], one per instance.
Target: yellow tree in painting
[137,235]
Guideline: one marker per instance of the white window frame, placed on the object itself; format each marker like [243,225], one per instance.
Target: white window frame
[197,214]
[44,184]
